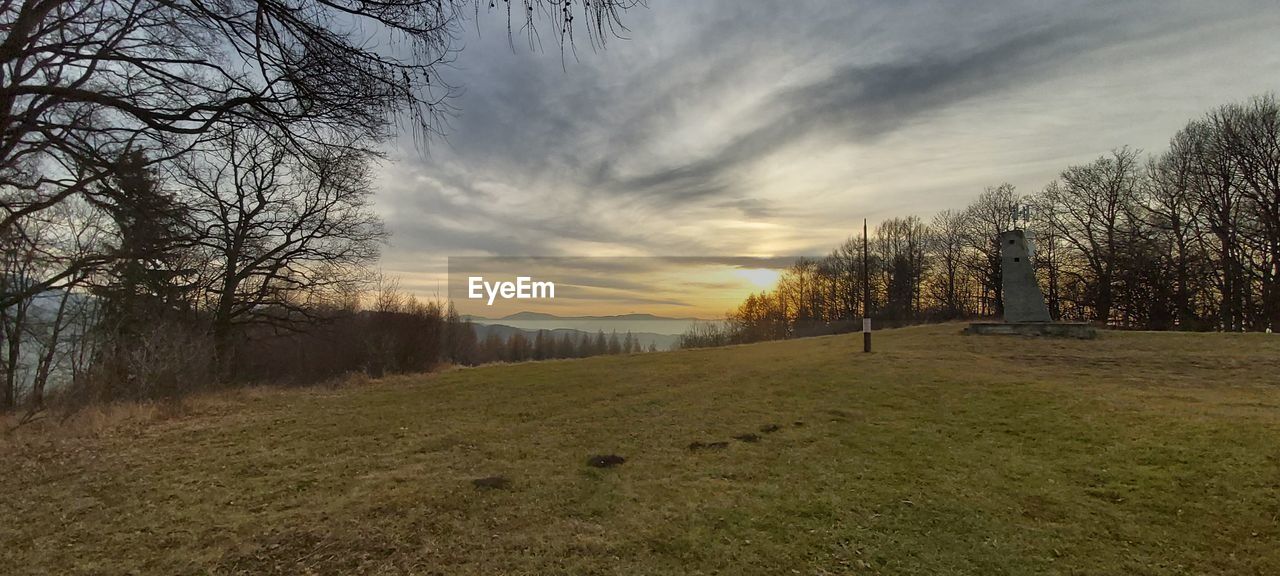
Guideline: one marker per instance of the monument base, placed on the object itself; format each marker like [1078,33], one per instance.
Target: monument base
[1048,329]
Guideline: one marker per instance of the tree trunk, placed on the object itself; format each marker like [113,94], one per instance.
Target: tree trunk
[7,394]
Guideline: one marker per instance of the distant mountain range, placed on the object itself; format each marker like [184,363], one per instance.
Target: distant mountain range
[660,331]
[542,317]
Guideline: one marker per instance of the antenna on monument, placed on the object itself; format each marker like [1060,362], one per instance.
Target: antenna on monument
[1020,212]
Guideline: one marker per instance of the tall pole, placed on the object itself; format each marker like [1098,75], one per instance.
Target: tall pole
[866,294]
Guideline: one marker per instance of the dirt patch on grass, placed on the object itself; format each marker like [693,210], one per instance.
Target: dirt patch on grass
[748,437]
[696,446]
[605,460]
[492,483]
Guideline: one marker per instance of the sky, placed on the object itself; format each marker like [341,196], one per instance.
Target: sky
[726,128]
[680,287]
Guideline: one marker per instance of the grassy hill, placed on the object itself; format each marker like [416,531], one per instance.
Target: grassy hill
[1136,453]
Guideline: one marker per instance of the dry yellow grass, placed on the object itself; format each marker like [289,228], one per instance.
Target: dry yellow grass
[1136,453]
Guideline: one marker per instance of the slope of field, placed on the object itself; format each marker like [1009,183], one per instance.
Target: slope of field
[1136,453]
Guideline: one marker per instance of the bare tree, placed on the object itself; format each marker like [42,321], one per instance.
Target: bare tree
[900,243]
[989,215]
[1170,210]
[283,233]
[1220,209]
[1252,132]
[33,329]
[847,266]
[387,297]
[946,244]
[1049,257]
[68,314]
[20,262]
[83,81]
[1094,204]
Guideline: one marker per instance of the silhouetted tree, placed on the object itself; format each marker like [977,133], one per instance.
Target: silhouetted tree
[1094,206]
[946,244]
[283,234]
[989,215]
[565,347]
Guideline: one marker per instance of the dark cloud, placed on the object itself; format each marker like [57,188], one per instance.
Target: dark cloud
[864,102]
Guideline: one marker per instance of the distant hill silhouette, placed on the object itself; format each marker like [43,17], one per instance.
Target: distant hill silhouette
[541,316]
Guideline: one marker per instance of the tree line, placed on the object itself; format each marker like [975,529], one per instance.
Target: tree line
[1184,239]
[185,186]
[414,334]
[545,345]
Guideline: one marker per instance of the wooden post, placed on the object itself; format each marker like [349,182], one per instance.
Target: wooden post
[866,294]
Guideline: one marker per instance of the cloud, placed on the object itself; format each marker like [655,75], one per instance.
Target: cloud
[862,102]
[736,128]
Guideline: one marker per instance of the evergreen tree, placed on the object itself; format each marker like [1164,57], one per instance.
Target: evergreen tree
[601,345]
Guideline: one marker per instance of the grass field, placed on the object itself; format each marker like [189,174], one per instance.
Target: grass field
[1136,453]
